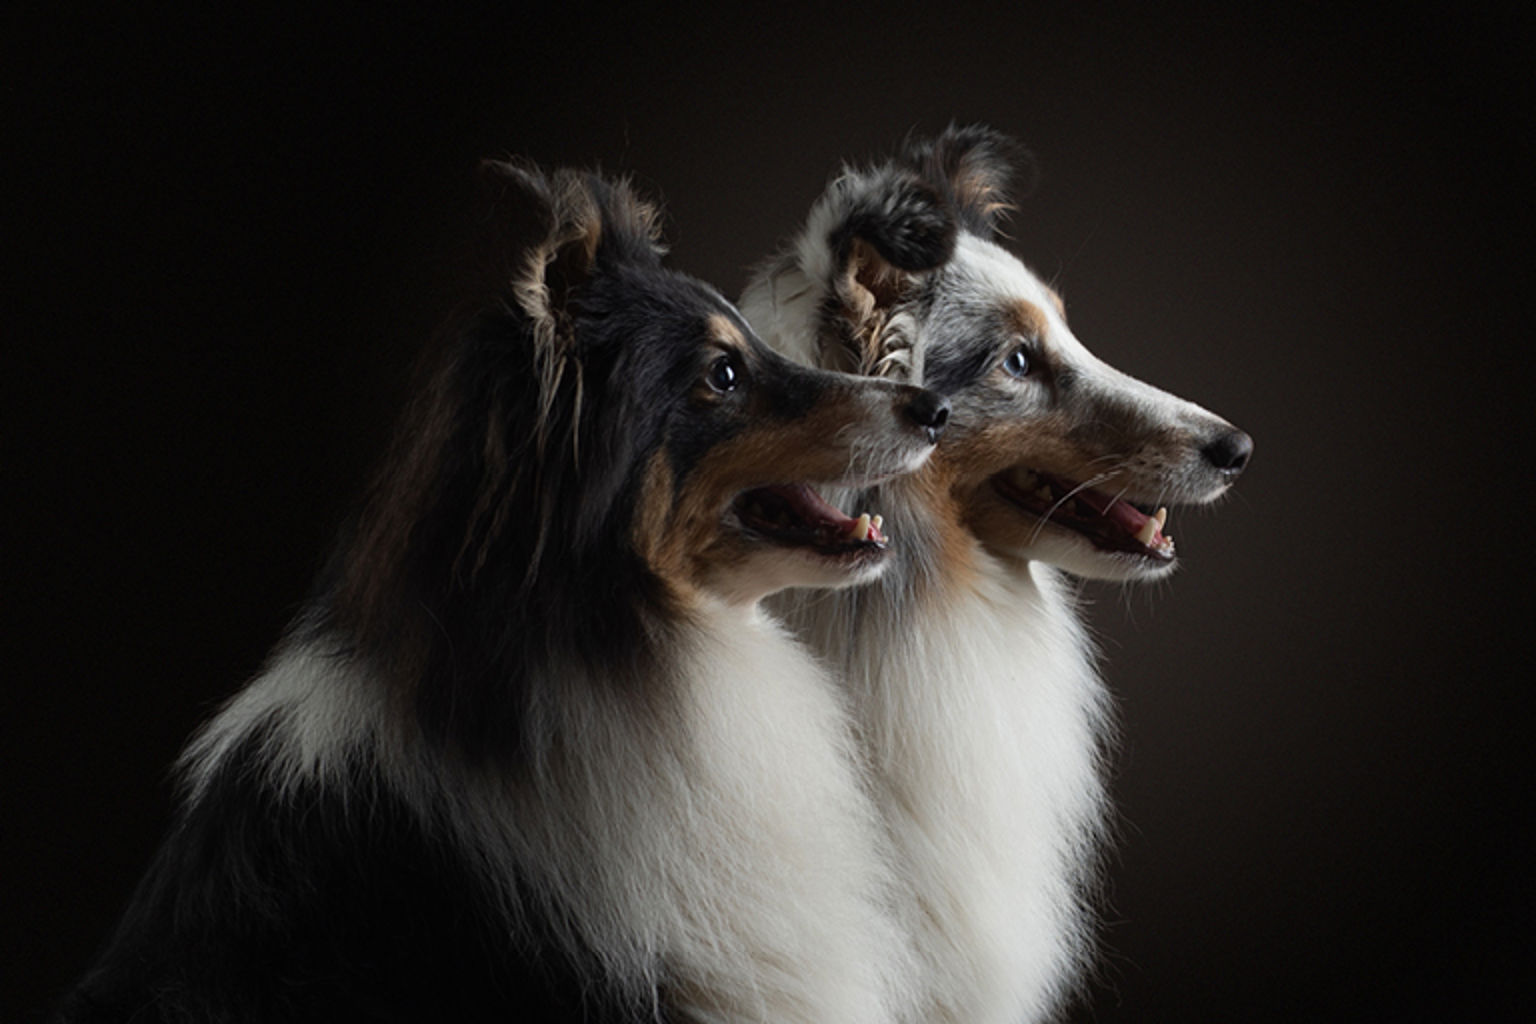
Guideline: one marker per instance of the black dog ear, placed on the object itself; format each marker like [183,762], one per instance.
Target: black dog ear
[973,166]
[552,230]
[546,232]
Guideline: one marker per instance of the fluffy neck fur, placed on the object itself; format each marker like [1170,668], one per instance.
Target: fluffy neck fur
[711,851]
[979,708]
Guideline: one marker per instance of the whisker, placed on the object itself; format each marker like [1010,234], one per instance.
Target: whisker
[1088,484]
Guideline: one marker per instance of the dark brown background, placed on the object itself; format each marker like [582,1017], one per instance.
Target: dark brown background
[231,235]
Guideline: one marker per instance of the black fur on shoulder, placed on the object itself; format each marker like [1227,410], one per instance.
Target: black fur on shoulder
[321,905]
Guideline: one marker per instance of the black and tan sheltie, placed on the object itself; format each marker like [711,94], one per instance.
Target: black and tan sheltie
[972,677]
[533,752]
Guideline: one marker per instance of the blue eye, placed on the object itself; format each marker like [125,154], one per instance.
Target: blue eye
[722,375]
[1017,363]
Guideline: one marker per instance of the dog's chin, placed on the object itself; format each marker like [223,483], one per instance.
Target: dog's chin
[754,569]
[1084,532]
[1077,555]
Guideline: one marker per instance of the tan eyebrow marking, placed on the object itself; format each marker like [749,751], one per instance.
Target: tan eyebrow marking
[1027,318]
[725,332]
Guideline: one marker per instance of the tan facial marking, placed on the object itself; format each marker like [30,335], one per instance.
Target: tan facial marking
[998,444]
[652,512]
[1027,319]
[678,532]
[725,333]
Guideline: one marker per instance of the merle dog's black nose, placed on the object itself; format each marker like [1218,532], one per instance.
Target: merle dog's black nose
[1229,452]
[930,410]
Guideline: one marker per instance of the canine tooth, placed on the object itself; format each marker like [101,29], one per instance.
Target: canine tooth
[860,528]
[877,521]
[1161,518]
[1147,532]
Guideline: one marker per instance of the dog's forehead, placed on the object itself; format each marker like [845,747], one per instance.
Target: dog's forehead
[986,278]
[724,322]
[667,311]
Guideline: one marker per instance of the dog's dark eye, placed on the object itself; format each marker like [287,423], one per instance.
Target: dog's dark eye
[721,375]
[1017,363]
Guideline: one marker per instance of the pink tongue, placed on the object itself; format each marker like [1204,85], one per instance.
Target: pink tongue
[810,505]
[1123,514]
[1126,516]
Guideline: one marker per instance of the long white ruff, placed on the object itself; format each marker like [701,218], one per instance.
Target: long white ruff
[726,850]
[985,723]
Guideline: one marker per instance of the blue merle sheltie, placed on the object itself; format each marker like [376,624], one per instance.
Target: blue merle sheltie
[973,680]
[533,752]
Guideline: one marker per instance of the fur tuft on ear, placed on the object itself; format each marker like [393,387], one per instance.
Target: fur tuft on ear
[973,166]
[631,225]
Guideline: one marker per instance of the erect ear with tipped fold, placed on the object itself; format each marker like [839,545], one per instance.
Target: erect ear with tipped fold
[883,230]
[552,230]
[546,230]
[892,225]
[973,167]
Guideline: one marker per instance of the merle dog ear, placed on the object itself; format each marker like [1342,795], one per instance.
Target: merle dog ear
[974,167]
[552,231]
[870,239]
[893,226]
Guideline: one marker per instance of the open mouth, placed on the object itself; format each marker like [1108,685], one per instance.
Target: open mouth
[1109,523]
[794,515]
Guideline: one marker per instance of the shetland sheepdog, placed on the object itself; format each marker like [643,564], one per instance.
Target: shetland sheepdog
[973,681]
[533,752]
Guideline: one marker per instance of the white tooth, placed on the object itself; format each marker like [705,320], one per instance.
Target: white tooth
[860,528]
[1147,532]
[1161,518]
[877,521]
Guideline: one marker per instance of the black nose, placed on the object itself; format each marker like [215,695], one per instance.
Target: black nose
[1229,452]
[930,410]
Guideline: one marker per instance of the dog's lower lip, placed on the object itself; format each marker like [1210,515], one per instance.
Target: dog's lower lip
[1109,523]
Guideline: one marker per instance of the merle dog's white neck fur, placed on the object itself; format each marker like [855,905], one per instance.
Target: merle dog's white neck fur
[978,703]
[721,847]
